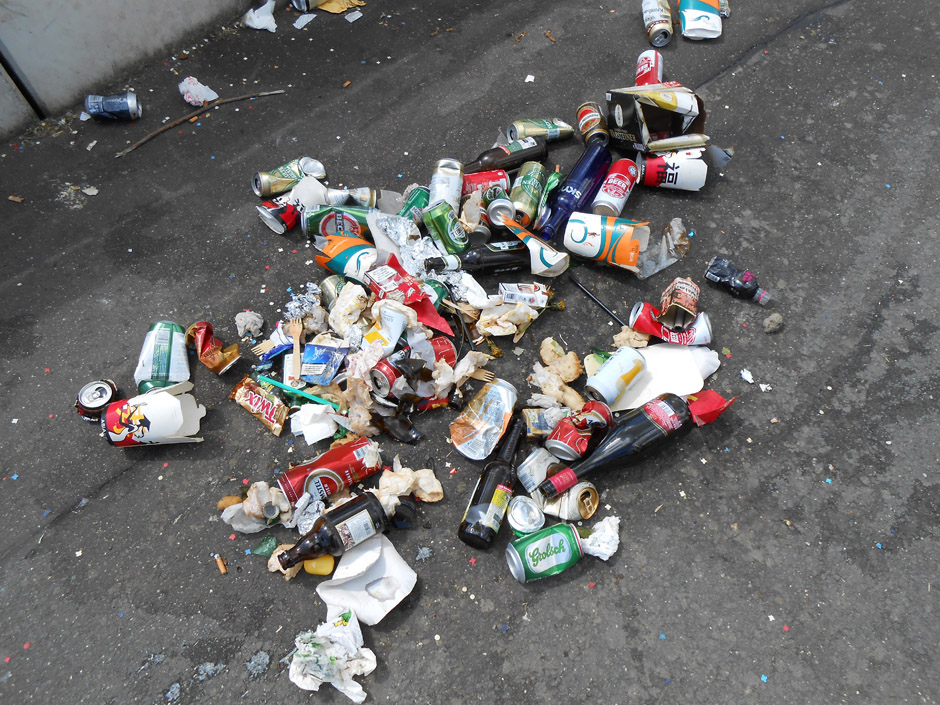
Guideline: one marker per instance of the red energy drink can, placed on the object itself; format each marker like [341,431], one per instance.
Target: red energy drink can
[280,215]
[332,471]
[649,68]
[482,180]
[616,189]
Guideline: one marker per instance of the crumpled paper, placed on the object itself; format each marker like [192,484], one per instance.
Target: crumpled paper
[403,481]
[347,308]
[339,6]
[334,654]
[553,386]
[249,322]
[314,422]
[235,517]
[371,578]
[604,539]
[630,337]
[505,319]
[195,93]
[261,18]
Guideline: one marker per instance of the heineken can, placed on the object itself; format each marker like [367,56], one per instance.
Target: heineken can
[285,177]
[550,129]
[446,182]
[445,229]
[592,125]
[417,200]
[498,206]
[527,190]
[543,553]
[657,17]
[94,397]
[163,360]
[112,107]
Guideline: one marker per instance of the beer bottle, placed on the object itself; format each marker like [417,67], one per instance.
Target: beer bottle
[339,529]
[578,189]
[492,493]
[492,258]
[508,156]
[634,437]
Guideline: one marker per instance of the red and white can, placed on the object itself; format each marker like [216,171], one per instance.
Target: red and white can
[616,189]
[649,68]
[482,180]
[685,170]
[280,214]
[330,472]
[643,319]
[385,372]
[569,440]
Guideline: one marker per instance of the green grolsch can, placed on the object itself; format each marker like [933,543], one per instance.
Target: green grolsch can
[548,551]
[416,202]
[445,229]
[527,190]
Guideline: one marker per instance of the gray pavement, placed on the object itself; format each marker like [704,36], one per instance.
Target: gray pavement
[786,553]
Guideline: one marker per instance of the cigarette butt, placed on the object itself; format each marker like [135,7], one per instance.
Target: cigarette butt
[548,34]
[348,83]
[219,561]
[194,118]
[16,199]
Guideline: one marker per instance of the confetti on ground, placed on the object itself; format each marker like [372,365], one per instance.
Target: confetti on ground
[763,678]
[231,537]
[828,480]
[786,627]
[662,637]
[530,78]
[591,585]
[473,561]
[245,481]
[747,376]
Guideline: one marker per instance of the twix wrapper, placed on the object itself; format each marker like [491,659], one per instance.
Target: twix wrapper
[262,403]
[209,348]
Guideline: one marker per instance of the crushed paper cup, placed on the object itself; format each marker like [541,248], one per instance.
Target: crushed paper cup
[679,369]
[261,18]
[159,417]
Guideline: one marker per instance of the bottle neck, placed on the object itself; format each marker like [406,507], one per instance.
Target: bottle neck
[507,453]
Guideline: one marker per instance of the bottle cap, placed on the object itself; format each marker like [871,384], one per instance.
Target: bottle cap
[762,296]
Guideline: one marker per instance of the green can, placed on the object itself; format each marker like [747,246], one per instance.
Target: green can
[445,229]
[548,128]
[417,201]
[546,552]
[330,288]
[329,220]
[436,290]
[163,361]
[527,190]
[286,176]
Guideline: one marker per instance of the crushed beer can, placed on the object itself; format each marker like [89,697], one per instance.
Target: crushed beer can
[569,440]
[124,106]
[416,200]
[657,18]
[478,428]
[543,553]
[524,515]
[533,470]
[280,214]
[209,348]
[159,417]
[643,318]
[285,177]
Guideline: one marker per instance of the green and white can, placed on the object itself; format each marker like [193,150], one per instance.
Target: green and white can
[445,229]
[527,190]
[162,361]
[546,552]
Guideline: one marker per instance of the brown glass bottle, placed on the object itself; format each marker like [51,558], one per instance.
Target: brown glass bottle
[508,156]
[492,493]
[339,529]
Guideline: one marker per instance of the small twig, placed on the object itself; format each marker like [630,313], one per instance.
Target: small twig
[193,114]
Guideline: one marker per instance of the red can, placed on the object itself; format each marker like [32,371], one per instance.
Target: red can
[279,214]
[329,473]
[385,372]
[483,180]
[616,189]
[569,440]
[649,68]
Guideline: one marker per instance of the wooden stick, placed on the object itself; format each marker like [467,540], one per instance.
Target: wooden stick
[193,114]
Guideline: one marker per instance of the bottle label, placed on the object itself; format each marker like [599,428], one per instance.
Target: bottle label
[356,529]
[519,145]
[491,513]
[564,480]
[661,413]
[506,246]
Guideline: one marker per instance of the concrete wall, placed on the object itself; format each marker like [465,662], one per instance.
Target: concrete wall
[14,110]
[62,50]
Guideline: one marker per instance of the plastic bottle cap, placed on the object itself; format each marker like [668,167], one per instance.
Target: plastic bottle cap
[323,565]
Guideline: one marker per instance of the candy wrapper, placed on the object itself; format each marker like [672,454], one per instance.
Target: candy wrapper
[209,348]
[261,403]
[321,363]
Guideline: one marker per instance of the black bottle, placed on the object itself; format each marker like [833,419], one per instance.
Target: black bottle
[491,258]
[740,284]
[339,529]
[491,496]
[634,437]
[508,156]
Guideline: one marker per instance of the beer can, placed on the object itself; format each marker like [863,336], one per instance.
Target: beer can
[571,437]
[280,214]
[112,107]
[498,206]
[330,288]
[527,190]
[330,220]
[364,196]
[483,180]
[649,68]
[548,128]
[533,470]
[643,319]
[657,17]
[524,515]
[286,176]
[446,182]
[385,372]
[616,375]
[592,125]
[163,361]
[383,377]
[445,229]
[332,471]
[94,397]
[480,235]
[616,188]
[436,290]
[684,170]
[546,552]
[415,203]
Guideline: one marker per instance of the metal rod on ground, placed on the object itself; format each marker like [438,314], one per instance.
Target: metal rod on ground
[595,299]
[178,121]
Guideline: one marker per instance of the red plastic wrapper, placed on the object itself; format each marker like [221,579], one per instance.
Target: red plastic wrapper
[332,471]
[708,405]
[262,403]
[209,348]
[389,283]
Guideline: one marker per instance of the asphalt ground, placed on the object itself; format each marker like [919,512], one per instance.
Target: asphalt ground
[786,553]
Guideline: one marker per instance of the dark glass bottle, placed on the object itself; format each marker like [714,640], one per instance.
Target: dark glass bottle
[740,284]
[491,496]
[508,156]
[339,529]
[491,258]
[578,189]
[634,437]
